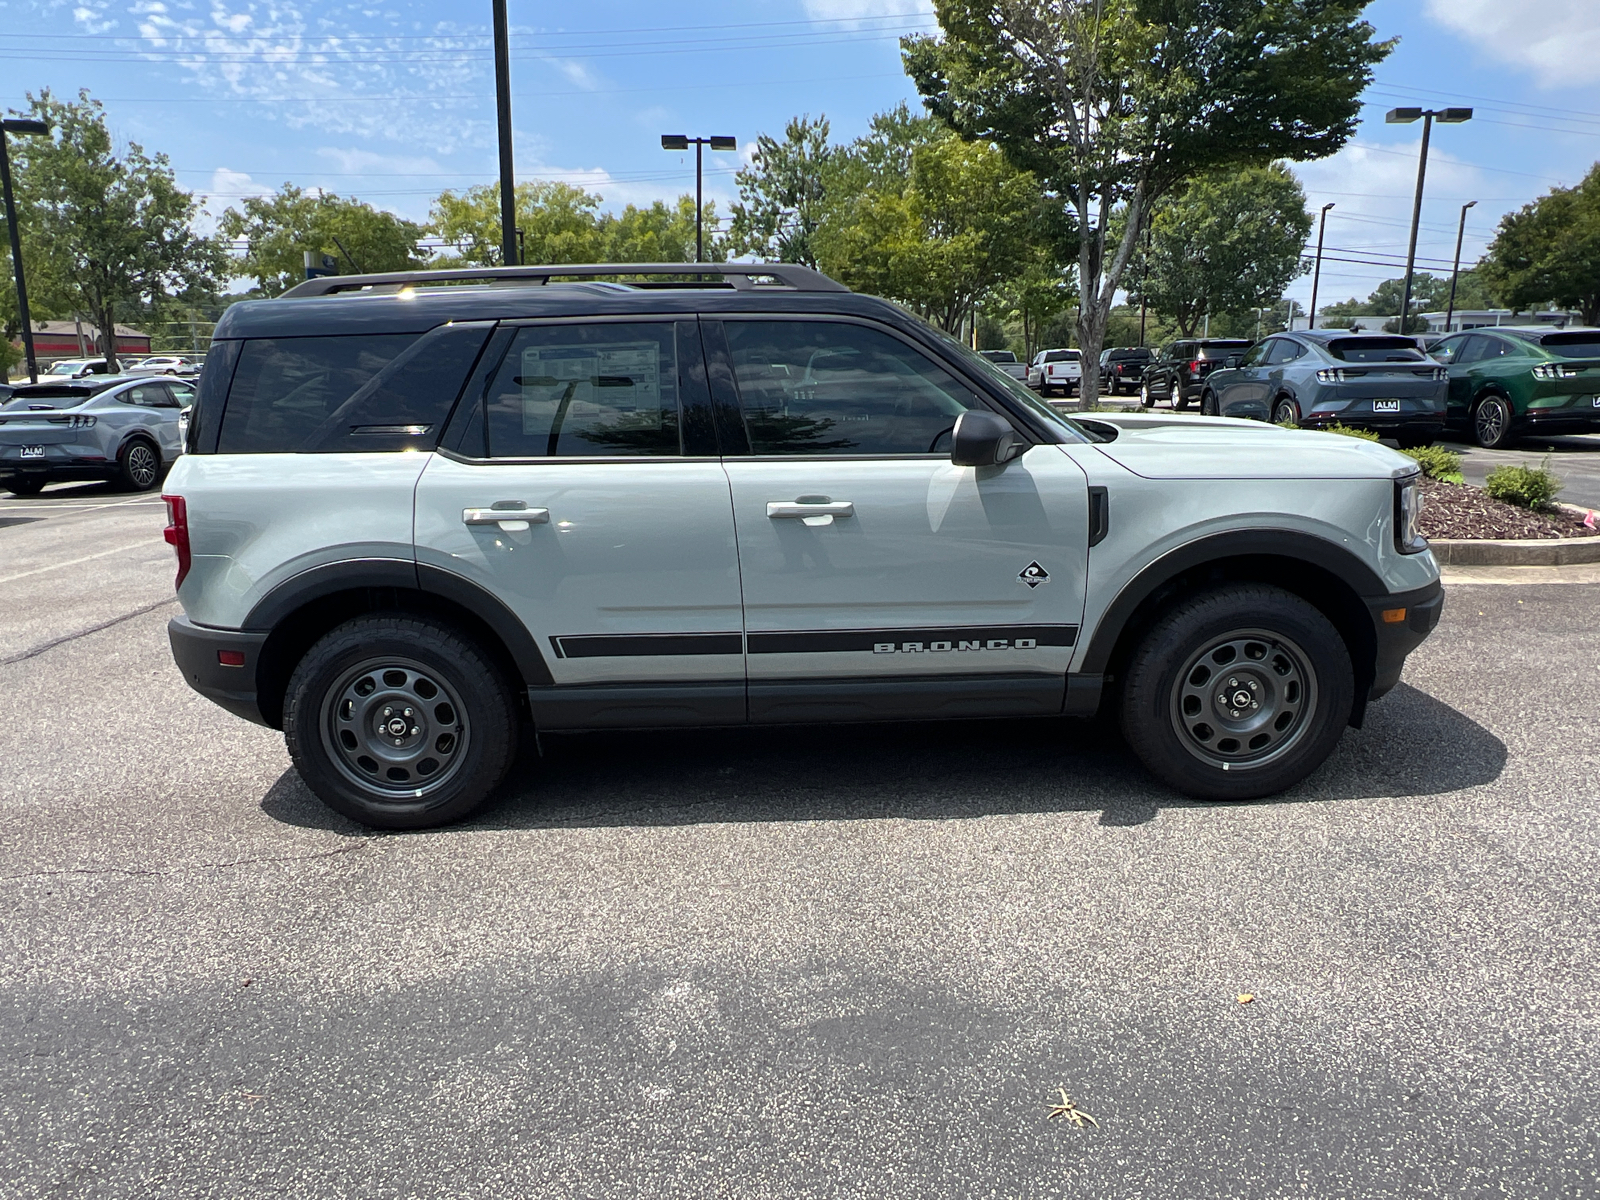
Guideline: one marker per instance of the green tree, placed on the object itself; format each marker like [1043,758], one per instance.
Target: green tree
[1429,293]
[109,229]
[962,222]
[659,233]
[559,223]
[782,194]
[1549,251]
[1231,240]
[1114,104]
[277,231]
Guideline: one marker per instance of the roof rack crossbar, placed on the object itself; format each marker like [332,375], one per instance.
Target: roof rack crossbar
[739,276]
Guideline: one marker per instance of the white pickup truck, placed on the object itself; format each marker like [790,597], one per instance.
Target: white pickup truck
[1053,371]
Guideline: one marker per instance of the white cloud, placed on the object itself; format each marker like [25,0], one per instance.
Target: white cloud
[1559,40]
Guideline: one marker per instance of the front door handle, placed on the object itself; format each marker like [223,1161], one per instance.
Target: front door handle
[810,510]
[513,516]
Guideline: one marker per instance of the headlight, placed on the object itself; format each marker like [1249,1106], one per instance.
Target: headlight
[1408,537]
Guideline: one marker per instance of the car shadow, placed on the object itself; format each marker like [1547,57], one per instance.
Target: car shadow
[1412,745]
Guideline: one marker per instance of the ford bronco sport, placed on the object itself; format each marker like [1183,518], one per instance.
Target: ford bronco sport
[424,514]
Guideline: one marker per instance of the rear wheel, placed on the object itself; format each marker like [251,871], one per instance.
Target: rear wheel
[1237,693]
[399,722]
[139,465]
[1175,391]
[1285,412]
[1491,423]
[25,486]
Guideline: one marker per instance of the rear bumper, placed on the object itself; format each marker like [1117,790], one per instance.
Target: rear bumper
[55,471]
[1397,639]
[195,650]
[1561,420]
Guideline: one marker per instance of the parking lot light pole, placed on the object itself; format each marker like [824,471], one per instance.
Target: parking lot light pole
[19,125]
[678,141]
[1316,274]
[1404,116]
[1455,272]
[502,104]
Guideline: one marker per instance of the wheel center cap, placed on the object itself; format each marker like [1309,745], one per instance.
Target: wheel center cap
[1241,699]
[397,727]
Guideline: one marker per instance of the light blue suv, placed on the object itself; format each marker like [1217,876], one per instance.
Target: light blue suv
[124,430]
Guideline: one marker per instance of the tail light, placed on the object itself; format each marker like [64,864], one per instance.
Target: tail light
[1194,366]
[1332,375]
[1554,371]
[177,534]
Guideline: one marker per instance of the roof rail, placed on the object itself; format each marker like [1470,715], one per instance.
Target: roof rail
[743,277]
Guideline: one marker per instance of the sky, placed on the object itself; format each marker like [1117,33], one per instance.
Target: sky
[394,101]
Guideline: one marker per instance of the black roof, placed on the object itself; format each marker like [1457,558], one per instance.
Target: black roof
[405,303]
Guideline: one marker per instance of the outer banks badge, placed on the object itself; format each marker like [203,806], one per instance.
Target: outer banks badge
[1033,575]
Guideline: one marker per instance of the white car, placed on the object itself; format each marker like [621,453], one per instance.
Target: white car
[1053,371]
[162,364]
[416,522]
[73,368]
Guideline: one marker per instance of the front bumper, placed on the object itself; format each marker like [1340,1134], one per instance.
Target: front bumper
[1420,611]
[195,649]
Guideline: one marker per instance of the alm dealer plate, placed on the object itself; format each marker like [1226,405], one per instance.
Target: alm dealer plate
[1386,406]
[33,452]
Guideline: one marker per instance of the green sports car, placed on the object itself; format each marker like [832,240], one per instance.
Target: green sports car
[1514,380]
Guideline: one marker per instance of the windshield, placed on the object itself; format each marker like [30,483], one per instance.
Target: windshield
[1583,343]
[1012,385]
[999,356]
[1375,350]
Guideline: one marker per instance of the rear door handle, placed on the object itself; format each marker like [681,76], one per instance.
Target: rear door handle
[513,516]
[809,511]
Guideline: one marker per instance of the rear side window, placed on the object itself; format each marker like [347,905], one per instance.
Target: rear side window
[1578,344]
[367,392]
[1375,350]
[600,390]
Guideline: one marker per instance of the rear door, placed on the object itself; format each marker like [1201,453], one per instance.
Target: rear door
[588,497]
[879,579]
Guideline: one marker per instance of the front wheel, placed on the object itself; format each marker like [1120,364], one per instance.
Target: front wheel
[1146,399]
[1237,693]
[399,722]
[1491,424]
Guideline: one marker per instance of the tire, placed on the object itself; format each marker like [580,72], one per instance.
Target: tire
[1295,670]
[139,466]
[1175,392]
[1491,423]
[390,670]
[1146,400]
[1208,404]
[1045,391]
[25,486]
[1285,412]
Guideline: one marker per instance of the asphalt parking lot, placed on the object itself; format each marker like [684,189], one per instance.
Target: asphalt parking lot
[796,962]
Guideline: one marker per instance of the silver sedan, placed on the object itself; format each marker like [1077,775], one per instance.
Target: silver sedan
[124,430]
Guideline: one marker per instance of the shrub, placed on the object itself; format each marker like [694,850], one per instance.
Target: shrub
[1366,435]
[1437,463]
[1527,487]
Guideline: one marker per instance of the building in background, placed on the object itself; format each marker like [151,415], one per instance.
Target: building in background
[79,339]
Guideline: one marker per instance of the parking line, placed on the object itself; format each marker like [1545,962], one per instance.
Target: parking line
[73,562]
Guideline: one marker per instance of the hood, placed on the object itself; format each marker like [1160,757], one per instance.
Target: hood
[1162,447]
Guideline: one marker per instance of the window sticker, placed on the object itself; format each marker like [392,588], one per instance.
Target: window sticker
[558,381]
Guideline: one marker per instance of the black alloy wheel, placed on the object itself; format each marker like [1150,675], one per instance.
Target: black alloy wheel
[25,485]
[399,722]
[1491,423]
[1285,412]
[1237,693]
[139,465]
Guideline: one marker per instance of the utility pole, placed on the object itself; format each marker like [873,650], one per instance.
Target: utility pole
[1316,275]
[1455,273]
[502,98]
[19,125]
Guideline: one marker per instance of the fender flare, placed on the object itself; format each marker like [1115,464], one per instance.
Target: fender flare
[294,593]
[1306,548]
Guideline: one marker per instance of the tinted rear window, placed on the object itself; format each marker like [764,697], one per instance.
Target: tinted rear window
[46,397]
[999,356]
[371,392]
[1583,343]
[1223,349]
[1375,349]
[1061,356]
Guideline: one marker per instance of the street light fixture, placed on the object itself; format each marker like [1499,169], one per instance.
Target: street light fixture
[19,125]
[679,141]
[1404,116]
[1316,275]
[1455,272]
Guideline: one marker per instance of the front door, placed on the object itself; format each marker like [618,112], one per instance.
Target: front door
[577,506]
[879,579]
[1247,385]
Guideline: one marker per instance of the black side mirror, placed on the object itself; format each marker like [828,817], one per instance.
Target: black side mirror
[1233,360]
[981,439]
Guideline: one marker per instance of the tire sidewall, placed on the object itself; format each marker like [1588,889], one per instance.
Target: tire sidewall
[484,693]
[1505,439]
[1153,671]
[125,455]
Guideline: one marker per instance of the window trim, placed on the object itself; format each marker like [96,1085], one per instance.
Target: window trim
[720,319]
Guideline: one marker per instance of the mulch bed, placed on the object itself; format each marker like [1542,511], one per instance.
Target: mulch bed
[1453,510]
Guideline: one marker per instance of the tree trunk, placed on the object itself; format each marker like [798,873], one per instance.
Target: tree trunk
[105,320]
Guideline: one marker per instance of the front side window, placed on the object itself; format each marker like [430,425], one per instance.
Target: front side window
[824,387]
[1256,355]
[1448,351]
[605,389]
